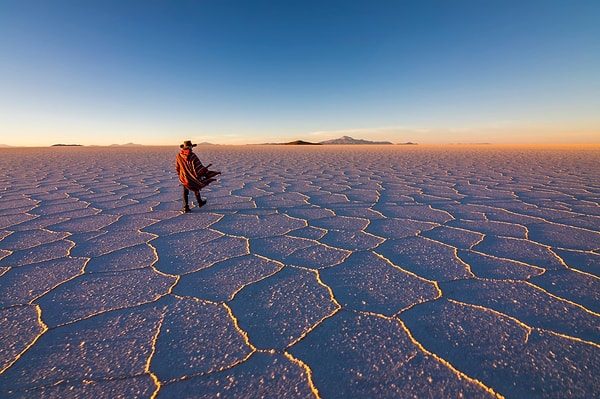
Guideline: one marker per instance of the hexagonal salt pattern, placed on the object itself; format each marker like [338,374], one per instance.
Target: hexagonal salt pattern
[326,272]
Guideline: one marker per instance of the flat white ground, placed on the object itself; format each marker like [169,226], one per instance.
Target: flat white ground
[332,271]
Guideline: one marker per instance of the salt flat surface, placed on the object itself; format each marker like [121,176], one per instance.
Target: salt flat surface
[333,272]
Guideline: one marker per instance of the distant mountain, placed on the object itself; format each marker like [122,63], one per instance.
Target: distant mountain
[301,142]
[125,145]
[295,142]
[350,140]
[67,145]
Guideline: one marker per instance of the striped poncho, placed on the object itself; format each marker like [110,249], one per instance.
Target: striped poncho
[192,174]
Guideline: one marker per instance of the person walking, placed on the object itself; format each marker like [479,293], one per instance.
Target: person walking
[192,174]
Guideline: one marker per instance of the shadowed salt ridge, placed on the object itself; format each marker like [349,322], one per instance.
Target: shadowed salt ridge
[311,272]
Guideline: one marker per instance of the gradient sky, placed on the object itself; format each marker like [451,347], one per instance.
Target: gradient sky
[237,72]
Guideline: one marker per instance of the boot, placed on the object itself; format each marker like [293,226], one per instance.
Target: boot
[200,201]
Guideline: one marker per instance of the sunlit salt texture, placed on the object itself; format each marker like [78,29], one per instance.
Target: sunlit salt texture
[325,271]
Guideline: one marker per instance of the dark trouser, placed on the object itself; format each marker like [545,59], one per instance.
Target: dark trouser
[186,193]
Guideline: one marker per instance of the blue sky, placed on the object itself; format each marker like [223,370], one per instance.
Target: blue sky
[237,72]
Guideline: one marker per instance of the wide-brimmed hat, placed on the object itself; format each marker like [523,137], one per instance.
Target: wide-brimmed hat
[187,144]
